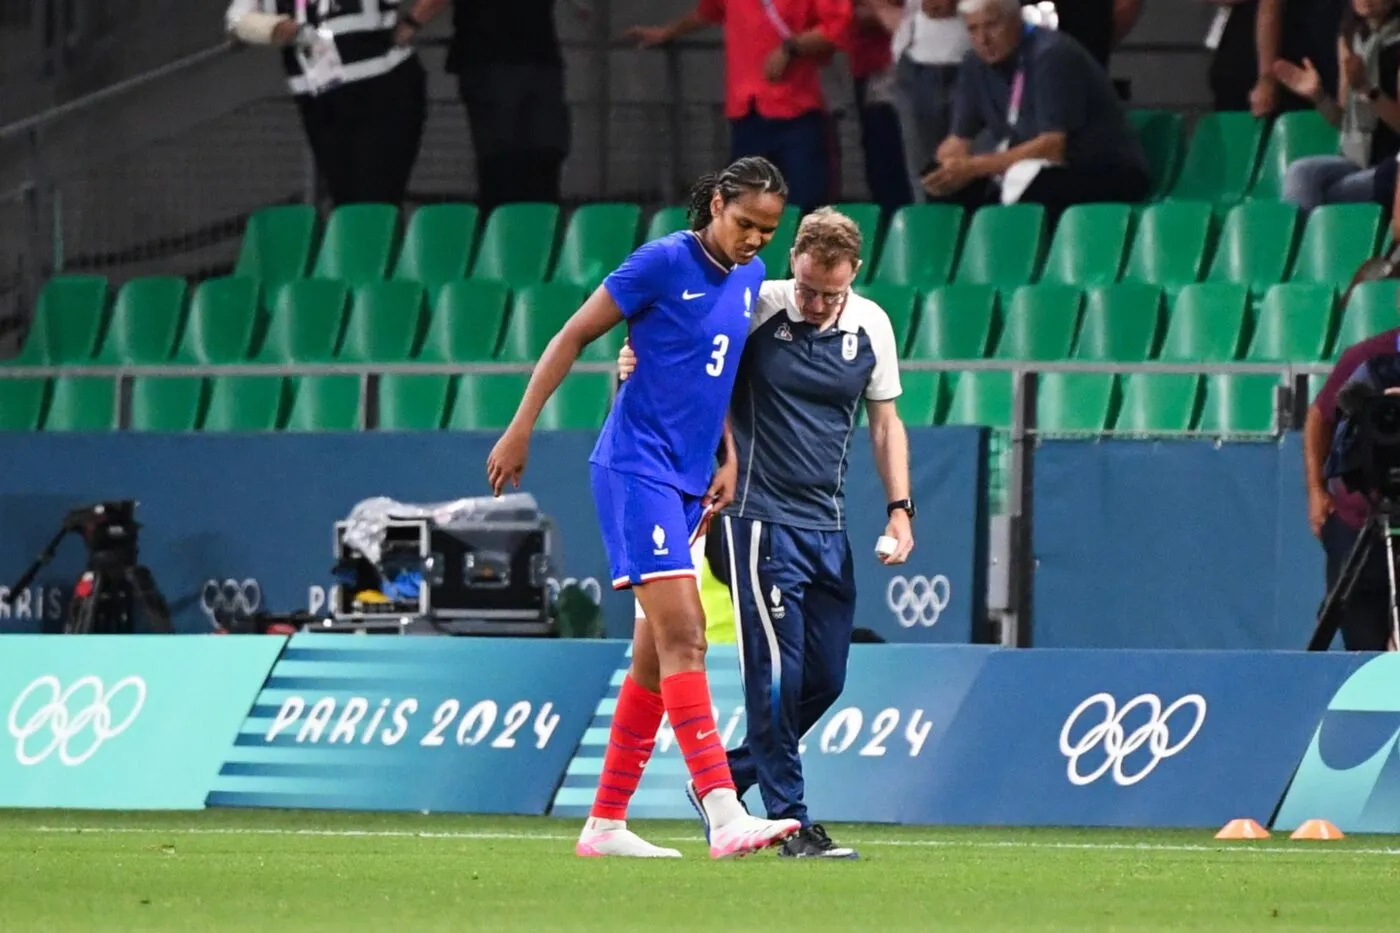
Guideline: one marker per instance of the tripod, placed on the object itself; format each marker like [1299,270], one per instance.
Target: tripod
[1380,523]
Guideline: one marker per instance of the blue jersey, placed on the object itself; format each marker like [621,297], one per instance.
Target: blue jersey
[687,320]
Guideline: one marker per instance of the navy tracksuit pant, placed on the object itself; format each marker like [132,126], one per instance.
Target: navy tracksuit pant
[795,593]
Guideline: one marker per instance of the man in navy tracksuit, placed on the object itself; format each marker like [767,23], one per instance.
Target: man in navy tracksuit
[815,352]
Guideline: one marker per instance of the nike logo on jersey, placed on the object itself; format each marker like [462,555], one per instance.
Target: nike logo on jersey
[702,736]
[689,295]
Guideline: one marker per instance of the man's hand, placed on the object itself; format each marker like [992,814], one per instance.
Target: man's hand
[723,486]
[950,177]
[626,362]
[649,37]
[285,33]
[776,63]
[1319,508]
[902,531]
[1304,81]
[1263,99]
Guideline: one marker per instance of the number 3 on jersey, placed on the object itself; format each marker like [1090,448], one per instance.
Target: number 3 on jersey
[716,364]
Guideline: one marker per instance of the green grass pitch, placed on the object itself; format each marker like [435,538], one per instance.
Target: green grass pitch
[319,872]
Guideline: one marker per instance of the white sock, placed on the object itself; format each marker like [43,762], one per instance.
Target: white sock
[722,805]
[596,825]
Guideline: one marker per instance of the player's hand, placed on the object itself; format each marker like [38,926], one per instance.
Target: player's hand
[902,531]
[776,63]
[507,460]
[649,37]
[723,486]
[1319,507]
[626,362]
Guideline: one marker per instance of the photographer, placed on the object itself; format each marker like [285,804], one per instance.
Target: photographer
[1337,514]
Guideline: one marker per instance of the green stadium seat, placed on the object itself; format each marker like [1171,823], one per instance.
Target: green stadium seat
[666,221]
[955,324]
[898,302]
[1169,245]
[597,240]
[325,403]
[1161,135]
[536,315]
[1296,135]
[776,256]
[1238,403]
[437,246]
[1089,243]
[1371,309]
[145,323]
[1220,158]
[1338,238]
[487,401]
[919,402]
[1121,323]
[581,404]
[221,324]
[518,243]
[277,244]
[982,397]
[1206,324]
[166,403]
[867,217]
[1003,246]
[1158,403]
[1074,403]
[413,402]
[82,403]
[22,404]
[386,319]
[466,323]
[920,246]
[1255,244]
[359,243]
[245,403]
[1039,323]
[1294,322]
[67,322]
[307,318]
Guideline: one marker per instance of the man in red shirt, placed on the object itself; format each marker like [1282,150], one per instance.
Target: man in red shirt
[869,52]
[774,51]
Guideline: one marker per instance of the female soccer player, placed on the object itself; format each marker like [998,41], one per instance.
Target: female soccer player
[687,299]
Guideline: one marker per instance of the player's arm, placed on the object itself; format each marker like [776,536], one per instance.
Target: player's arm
[598,315]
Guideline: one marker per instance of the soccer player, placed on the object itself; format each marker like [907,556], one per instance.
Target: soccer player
[687,299]
[815,352]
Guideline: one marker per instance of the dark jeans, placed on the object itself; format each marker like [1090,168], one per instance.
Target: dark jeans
[521,132]
[365,135]
[801,148]
[1365,618]
[1058,187]
[882,143]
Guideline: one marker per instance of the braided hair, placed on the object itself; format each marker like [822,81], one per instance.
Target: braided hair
[750,174]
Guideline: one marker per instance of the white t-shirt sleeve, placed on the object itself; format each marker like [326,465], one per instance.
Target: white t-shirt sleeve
[884,378]
[773,297]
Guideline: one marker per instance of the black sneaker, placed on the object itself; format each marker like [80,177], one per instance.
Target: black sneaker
[813,842]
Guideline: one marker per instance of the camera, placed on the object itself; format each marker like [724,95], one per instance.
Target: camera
[1365,454]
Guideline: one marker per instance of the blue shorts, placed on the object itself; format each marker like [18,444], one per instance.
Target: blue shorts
[648,526]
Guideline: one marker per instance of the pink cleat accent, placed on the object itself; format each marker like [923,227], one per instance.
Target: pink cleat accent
[749,834]
[618,843]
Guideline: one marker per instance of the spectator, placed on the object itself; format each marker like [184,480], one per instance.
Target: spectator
[1233,62]
[1295,30]
[1098,25]
[774,51]
[1366,109]
[362,97]
[869,54]
[1064,133]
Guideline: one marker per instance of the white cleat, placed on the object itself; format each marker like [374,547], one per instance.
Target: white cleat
[618,843]
[747,834]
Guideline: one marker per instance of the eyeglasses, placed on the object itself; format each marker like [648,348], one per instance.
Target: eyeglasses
[807,295]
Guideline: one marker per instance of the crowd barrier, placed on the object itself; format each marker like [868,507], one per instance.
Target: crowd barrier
[924,734]
[245,522]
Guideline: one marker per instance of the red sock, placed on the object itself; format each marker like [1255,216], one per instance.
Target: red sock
[687,699]
[630,743]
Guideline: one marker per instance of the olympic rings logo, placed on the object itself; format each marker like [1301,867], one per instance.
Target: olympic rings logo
[590,586]
[63,725]
[918,600]
[1117,746]
[230,598]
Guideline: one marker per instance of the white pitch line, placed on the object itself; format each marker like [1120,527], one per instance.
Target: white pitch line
[555,837]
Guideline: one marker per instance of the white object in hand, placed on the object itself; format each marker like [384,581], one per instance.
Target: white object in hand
[885,545]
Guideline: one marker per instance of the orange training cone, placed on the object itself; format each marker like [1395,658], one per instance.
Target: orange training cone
[1317,829]
[1242,829]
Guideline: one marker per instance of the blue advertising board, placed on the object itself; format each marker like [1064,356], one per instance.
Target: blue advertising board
[1351,771]
[469,725]
[123,722]
[1130,738]
[245,522]
[867,760]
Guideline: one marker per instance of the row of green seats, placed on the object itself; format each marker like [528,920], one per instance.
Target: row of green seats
[1096,403]
[479,401]
[157,320]
[1132,322]
[1233,156]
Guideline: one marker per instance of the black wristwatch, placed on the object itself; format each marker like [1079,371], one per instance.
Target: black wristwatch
[905,504]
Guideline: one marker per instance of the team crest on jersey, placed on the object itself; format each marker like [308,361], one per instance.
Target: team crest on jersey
[658,538]
[850,343]
[783,332]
